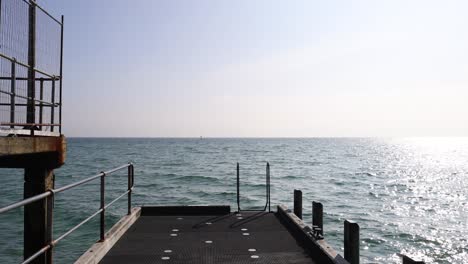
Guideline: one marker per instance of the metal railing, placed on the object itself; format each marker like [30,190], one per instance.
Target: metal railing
[50,197]
[267,189]
[31,78]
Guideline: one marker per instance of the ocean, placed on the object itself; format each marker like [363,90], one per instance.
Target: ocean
[409,195]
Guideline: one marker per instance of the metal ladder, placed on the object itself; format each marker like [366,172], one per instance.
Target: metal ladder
[267,193]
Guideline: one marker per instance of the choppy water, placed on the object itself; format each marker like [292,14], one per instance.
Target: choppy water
[408,195]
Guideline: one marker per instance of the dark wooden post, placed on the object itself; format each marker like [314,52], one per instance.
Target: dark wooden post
[317,216]
[351,242]
[408,260]
[298,203]
[36,181]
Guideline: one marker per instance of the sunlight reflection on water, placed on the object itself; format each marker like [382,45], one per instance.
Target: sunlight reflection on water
[408,195]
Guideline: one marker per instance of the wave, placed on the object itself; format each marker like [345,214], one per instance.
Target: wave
[197,179]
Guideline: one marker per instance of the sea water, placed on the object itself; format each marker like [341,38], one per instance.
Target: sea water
[409,195]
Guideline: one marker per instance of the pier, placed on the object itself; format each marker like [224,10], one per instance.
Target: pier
[31,139]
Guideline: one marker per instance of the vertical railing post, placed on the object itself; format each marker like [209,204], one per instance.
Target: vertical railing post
[298,203]
[61,76]
[130,172]
[268,186]
[103,209]
[317,216]
[50,228]
[41,97]
[31,108]
[52,108]
[351,242]
[13,92]
[238,195]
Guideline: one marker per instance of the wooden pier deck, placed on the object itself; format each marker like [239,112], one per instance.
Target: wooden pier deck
[211,235]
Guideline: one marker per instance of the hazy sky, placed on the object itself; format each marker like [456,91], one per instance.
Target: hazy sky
[264,68]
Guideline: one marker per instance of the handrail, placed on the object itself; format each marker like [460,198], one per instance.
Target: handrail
[267,188]
[50,197]
[45,103]
[25,202]
[27,66]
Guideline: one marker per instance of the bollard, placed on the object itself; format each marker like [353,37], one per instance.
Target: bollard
[408,260]
[351,242]
[298,203]
[317,216]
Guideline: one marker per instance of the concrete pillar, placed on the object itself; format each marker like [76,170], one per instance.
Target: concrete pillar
[36,181]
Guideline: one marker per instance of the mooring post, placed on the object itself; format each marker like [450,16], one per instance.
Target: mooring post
[408,260]
[298,203]
[351,242]
[317,216]
[36,233]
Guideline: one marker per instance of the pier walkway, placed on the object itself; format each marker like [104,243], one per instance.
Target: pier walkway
[210,234]
[247,237]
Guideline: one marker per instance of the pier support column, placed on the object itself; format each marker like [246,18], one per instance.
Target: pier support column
[38,156]
[36,236]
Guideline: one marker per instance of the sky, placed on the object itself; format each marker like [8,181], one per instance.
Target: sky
[175,68]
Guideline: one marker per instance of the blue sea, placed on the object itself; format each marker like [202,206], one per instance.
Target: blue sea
[409,195]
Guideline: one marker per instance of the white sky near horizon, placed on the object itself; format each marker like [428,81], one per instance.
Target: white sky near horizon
[264,68]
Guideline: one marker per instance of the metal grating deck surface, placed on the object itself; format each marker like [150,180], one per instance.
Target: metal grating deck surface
[251,237]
